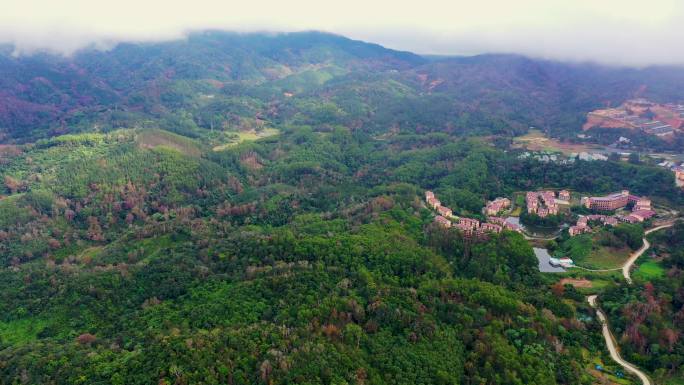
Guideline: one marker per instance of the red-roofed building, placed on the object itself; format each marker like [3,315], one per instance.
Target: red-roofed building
[495,206]
[642,215]
[490,227]
[579,229]
[513,227]
[497,220]
[469,223]
[434,202]
[443,221]
[642,204]
[542,203]
[607,203]
[611,221]
[564,195]
[628,218]
[444,211]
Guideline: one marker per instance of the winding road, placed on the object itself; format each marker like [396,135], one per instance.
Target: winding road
[635,255]
[612,348]
[610,341]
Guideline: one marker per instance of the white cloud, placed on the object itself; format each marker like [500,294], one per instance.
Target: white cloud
[609,31]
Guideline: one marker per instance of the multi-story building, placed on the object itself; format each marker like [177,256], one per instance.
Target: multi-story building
[495,206]
[564,195]
[469,223]
[578,229]
[444,211]
[434,203]
[490,227]
[607,203]
[443,221]
[542,203]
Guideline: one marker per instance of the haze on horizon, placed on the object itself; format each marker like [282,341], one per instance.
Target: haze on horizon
[623,32]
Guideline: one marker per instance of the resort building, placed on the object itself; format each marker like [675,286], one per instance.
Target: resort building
[607,203]
[443,221]
[468,226]
[611,221]
[564,195]
[513,227]
[490,227]
[642,215]
[541,203]
[497,205]
[444,211]
[434,203]
[469,223]
[642,204]
[578,229]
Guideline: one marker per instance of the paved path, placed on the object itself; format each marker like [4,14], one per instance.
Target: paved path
[614,353]
[610,342]
[635,255]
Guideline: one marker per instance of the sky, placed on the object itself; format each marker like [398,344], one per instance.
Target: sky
[622,32]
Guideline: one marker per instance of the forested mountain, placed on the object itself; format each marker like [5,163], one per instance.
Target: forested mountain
[248,209]
[218,79]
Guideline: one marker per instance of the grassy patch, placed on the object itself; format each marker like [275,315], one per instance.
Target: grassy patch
[22,331]
[649,270]
[606,258]
[155,138]
[243,136]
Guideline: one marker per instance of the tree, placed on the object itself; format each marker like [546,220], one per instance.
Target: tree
[352,334]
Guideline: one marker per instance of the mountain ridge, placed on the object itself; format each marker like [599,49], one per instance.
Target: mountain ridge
[44,94]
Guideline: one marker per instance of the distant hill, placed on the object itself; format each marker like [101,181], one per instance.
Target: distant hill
[235,81]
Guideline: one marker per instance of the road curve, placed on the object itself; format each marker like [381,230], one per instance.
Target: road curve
[614,354]
[635,255]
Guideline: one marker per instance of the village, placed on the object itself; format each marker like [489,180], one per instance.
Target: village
[545,203]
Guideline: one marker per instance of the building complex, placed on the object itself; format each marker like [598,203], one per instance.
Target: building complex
[541,203]
[641,211]
[471,227]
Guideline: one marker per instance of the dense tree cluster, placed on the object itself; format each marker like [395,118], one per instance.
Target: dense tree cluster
[141,257]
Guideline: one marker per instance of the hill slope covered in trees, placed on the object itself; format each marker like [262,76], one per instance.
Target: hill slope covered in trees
[219,80]
[247,209]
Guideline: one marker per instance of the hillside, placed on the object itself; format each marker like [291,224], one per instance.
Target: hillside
[249,209]
[227,81]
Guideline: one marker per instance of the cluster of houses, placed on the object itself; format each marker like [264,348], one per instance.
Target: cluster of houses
[470,226]
[641,211]
[543,203]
